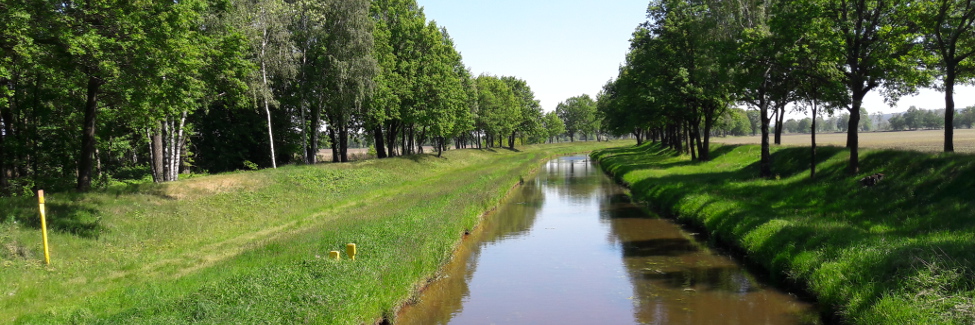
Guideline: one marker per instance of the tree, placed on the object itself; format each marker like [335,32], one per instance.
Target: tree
[349,68]
[949,28]
[878,40]
[530,110]
[499,108]
[265,22]
[95,37]
[554,126]
[578,114]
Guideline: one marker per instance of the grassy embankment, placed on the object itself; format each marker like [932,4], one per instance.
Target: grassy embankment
[249,247]
[900,252]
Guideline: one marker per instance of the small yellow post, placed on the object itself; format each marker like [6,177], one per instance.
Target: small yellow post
[334,255]
[40,200]
[350,249]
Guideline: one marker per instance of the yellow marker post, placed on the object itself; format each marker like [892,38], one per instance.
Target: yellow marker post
[40,200]
[350,249]
[334,255]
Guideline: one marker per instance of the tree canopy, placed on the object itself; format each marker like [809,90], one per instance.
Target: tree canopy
[95,92]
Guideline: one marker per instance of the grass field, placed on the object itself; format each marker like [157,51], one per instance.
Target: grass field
[900,252]
[922,140]
[250,247]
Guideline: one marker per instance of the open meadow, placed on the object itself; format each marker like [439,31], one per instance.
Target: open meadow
[921,140]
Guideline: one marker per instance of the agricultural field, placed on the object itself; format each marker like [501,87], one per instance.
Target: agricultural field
[923,140]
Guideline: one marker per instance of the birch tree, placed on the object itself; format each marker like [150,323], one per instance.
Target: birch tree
[265,22]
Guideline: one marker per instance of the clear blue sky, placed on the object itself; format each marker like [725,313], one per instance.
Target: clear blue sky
[561,48]
[572,47]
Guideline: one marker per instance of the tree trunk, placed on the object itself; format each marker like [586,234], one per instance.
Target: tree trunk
[377,133]
[3,161]
[765,165]
[950,109]
[391,139]
[705,149]
[852,139]
[439,147]
[156,150]
[311,154]
[344,142]
[812,163]
[511,140]
[779,122]
[179,142]
[6,168]
[88,135]
[335,143]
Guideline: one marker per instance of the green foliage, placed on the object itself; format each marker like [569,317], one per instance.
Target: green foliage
[875,255]
[734,122]
[191,86]
[499,107]
[579,115]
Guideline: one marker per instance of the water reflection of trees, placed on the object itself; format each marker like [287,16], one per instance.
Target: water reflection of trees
[444,299]
[575,179]
[516,216]
[676,280]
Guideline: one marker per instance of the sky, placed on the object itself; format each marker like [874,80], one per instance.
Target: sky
[572,47]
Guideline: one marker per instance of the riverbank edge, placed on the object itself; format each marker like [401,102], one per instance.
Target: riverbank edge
[724,245]
[697,217]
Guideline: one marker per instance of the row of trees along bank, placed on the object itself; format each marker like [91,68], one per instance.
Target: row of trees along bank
[94,91]
[693,59]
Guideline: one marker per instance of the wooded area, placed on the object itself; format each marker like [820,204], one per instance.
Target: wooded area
[97,91]
[694,59]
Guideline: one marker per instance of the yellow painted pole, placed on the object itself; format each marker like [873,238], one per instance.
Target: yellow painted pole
[334,255]
[350,249]
[40,200]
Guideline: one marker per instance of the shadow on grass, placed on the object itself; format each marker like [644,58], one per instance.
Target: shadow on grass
[70,217]
[796,224]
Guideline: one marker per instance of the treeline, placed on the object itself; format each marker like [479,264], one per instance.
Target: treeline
[915,119]
[96,91]
[693,59]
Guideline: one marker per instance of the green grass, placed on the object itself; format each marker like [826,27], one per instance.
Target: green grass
[249,247]
[900,252]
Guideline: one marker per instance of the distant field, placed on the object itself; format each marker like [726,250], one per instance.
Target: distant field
[926,140]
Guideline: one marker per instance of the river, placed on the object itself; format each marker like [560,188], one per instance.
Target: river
[569,247]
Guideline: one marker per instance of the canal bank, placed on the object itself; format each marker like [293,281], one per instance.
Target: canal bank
[568,247]
[253,247]
[895,253]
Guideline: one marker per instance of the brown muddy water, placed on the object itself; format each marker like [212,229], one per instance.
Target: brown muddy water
[569,248]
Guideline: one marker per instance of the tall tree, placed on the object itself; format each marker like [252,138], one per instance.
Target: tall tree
[878,40]
[96,37]
[949,27]
[577,113]
[529,109]
[265,22]
[499,109]
[350,68]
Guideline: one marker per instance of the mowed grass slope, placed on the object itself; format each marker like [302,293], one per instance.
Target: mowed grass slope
[250,247]
[900,252]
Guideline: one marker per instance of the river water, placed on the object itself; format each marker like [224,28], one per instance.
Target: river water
[569,248]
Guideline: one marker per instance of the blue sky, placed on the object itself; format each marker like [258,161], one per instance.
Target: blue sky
[572,47]
[561,48]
